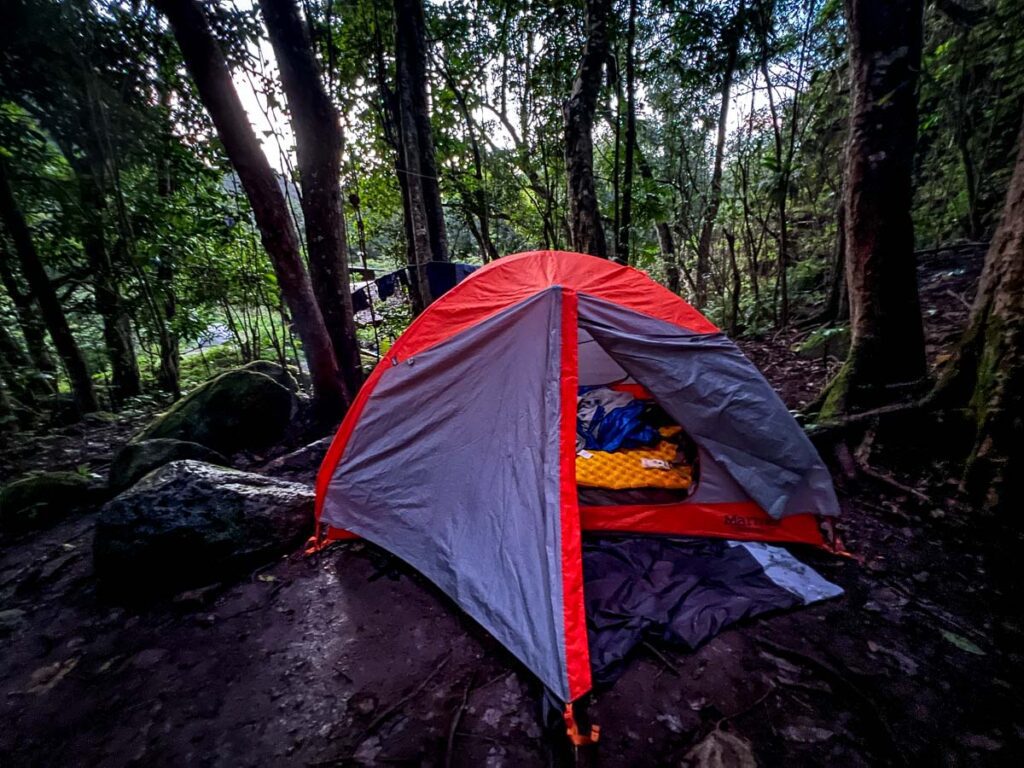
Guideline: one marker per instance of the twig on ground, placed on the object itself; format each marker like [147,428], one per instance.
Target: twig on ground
[456,719]
[886,479]
[661,657]
[749,708]
[387,713]
[384,716]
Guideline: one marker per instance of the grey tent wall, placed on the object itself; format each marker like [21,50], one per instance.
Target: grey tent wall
[454,467]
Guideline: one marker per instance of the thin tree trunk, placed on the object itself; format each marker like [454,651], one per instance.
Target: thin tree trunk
[43,292]
[478,198]
[614,76]
[16,368]
[715,195]
[669,260]
[117,328]
[585,227]
[737,284]
[626,216]
[391,125]
[318,147]
[209,70]
[887,340]
[782,278]
[837,305]
[28,320]
[987,374]
[413,24]
[8,412]
[164,298]
[422,197]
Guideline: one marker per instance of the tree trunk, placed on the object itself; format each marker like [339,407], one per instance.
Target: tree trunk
[413,200]
[715,197]
[415,36]
[209,70]
[16,369]
[43,292]
[8,412]
[887,344]
[626,215]
[165,301]
[782,278]
[669,261]
[318,147]
[391,126]
[422,196]
[117,329]
[477,201]
[987,374]
[837,305]
[737,285]
[585,227]
[28,320]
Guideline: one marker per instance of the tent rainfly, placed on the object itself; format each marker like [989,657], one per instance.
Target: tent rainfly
[458,455]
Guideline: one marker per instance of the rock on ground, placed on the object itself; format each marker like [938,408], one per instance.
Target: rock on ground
[41,499]
[138,459]
[190,523]
[238,410]
[301,463]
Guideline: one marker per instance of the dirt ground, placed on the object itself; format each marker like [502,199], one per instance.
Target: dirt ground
[348,657]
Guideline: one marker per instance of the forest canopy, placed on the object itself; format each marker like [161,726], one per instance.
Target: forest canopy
[190,185]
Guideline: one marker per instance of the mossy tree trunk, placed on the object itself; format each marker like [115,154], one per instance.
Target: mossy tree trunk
[887,350]
[986,377]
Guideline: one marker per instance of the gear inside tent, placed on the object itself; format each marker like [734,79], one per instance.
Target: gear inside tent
[551,395]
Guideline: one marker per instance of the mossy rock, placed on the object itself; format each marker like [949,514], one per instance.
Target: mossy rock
[825,342]
[42,499]
[138,459]
[277,372]
[238,410]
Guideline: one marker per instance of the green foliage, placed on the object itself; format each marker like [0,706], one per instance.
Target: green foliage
[94,93]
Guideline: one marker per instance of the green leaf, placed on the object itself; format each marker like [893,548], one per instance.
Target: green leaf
[962,643]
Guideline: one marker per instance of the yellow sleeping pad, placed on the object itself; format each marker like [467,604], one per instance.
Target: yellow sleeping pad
[617,470]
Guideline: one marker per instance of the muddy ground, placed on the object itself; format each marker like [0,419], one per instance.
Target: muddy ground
[347,657]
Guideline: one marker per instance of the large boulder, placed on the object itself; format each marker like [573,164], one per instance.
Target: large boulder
[44,498]
[277,372]
[238,410]
[189,524]
[141,457]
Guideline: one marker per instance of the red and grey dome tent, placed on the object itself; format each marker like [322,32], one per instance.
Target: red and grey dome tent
[458,455]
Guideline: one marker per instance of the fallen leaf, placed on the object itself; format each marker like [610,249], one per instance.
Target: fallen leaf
[672,722]
[806,734]
[45,678]
[721,750]
[962,643]
[978,741]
